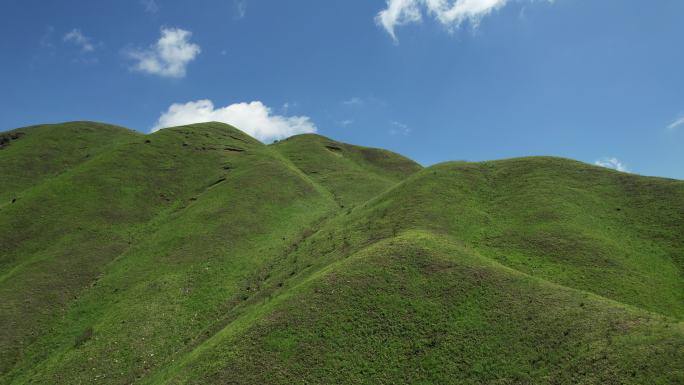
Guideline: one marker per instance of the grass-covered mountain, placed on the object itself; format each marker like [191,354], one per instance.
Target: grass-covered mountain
[198,255]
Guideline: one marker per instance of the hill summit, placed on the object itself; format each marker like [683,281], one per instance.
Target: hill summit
[199,255]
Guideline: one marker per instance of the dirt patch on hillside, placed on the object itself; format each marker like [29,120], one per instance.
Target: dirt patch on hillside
[6,139]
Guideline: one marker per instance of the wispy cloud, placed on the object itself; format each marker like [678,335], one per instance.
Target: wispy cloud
[450,13]
[399,128]
[612,163]
[287,106]
[240,8]
[345,123]
[46,38]
[169,56]
[76,37]
[354,101]
[677,124]
[151,6]
[254,118]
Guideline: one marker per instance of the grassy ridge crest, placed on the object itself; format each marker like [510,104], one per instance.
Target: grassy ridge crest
[198,255]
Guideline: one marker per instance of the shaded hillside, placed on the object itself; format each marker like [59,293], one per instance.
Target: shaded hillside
[198,255]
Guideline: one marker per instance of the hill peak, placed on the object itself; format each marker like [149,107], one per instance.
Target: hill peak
[197,254]
[217,131]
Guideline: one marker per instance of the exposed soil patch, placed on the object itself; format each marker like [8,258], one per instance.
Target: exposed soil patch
[234,149]
[238,138]
[333,148]
[5,139]
[218,181]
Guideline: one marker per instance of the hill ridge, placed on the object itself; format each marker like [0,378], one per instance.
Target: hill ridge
[184,255]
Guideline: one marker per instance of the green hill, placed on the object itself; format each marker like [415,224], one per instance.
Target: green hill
[30,155]
[198,255]
[352,174]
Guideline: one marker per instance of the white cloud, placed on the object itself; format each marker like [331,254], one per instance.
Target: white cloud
[151,6]
[399,12]
[450,13]
[76,37]
[612,163]
[676,124]
[254,118]
[169,57]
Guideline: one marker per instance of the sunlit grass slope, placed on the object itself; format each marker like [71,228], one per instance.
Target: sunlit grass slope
[198,255]
[611,233]
[421,308]
[353,174]
[33,154]
[59,235]
[192,212]
[430,283]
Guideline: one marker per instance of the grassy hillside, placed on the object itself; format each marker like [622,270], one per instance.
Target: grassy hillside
[60,235]
[198,255]
[610,233]
[422,309]
[33,154]
[353,174]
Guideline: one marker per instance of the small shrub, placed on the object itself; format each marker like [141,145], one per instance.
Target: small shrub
[84,337]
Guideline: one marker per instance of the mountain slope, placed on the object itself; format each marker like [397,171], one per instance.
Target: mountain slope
[614,234]
[57,238]
[198,255]
[412,286]
[31,154]
[191,197]
[353,174]
[420,308]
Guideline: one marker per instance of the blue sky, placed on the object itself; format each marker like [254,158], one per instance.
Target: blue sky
[460,80]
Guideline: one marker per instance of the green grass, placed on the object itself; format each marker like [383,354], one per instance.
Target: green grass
[421,308]
[197,255]
[42,152]
[352,174]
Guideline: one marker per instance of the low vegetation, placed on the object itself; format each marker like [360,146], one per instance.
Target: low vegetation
[198,255]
